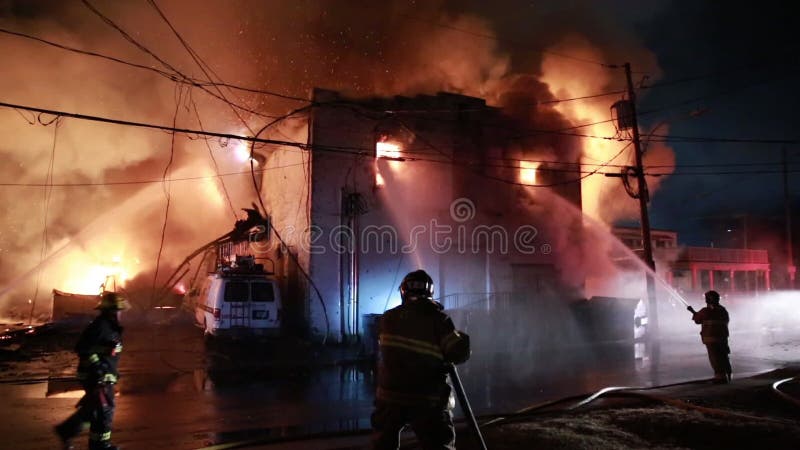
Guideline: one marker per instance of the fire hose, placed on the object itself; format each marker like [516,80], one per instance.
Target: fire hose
[465,407]
[526,413]
[784,395]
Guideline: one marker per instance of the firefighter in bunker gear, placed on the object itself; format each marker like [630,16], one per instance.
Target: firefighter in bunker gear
[417,344]
[713,320]
[98,351]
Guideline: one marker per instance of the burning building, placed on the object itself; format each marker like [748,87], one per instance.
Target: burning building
[440,182]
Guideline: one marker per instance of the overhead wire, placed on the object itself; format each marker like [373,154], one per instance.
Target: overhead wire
[198,60]
[185,79]
[139,182]
[200,63]
[166,187]
[163,62]
[504,180]
[363,151]
[48,192]
[163,73]
[717,73]
[214,161]
[292,256]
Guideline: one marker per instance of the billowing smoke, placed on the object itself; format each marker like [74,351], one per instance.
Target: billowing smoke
[286,47]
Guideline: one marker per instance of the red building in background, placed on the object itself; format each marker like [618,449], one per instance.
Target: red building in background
[698,269]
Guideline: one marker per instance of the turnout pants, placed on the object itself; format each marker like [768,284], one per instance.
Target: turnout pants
[720,362]
[433,426]
[95,410]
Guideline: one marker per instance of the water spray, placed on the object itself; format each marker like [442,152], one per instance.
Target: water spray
[462,399]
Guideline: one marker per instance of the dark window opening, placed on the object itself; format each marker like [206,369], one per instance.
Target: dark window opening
[262,292]
[236,291]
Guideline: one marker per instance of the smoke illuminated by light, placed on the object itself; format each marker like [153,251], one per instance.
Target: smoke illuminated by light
[241,151]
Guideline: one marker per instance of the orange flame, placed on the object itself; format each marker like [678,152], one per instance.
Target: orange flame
[527,172]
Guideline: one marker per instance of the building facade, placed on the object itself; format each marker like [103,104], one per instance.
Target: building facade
[433,182]
[698,269]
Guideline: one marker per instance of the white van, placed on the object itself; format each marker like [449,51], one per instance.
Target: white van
[237,301]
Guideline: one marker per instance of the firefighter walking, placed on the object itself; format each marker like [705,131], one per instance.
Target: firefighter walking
[713,320]
[98,350]
[418,342]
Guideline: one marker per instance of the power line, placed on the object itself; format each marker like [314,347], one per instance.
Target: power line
[567,131]
[702,139]
[564,131]
[48,193]
[166,186]
[363,151]
[717,74]
[214,160]
[171,76]
[200,63]
[565,182]
[151,126]
[742,172]
[164,63]
[141,182]
[488,107]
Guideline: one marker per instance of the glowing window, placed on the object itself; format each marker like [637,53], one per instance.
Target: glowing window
[387,150]
[527,172]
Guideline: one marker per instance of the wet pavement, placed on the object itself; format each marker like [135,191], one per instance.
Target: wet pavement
[179,392]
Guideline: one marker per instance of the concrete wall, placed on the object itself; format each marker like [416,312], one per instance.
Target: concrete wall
[395,230]
[285,190]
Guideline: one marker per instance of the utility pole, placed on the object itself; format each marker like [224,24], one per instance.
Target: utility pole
[644,198]
[787,212]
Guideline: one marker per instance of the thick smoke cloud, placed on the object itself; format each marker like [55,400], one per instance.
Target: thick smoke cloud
[362,49]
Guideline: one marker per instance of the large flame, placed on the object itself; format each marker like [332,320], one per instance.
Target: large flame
[527,172]
[570,78]
[84,272]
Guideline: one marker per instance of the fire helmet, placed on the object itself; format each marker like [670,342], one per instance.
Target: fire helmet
[415,285]
[712,297]
[112,301]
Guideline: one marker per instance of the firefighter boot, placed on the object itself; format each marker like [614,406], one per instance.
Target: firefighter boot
[66,441]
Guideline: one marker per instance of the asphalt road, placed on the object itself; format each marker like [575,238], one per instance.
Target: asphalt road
[177,392]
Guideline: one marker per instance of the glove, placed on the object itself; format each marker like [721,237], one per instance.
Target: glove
[691,310]
[99,372]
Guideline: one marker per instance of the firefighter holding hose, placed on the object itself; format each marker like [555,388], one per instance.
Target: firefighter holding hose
[418,342]
[98,350]
[713,320]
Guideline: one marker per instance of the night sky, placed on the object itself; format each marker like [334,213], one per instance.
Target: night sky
[705,38]
[745,55]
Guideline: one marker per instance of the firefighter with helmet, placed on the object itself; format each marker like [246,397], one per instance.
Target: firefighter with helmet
[713,320]
[417,342]
[98,349]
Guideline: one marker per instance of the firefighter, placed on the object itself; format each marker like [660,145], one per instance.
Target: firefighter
[714,334]
[417,343]
[98,350]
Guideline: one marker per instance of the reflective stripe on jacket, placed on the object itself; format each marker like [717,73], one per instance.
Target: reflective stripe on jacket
[713,320]
[417,342]
[99,346]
